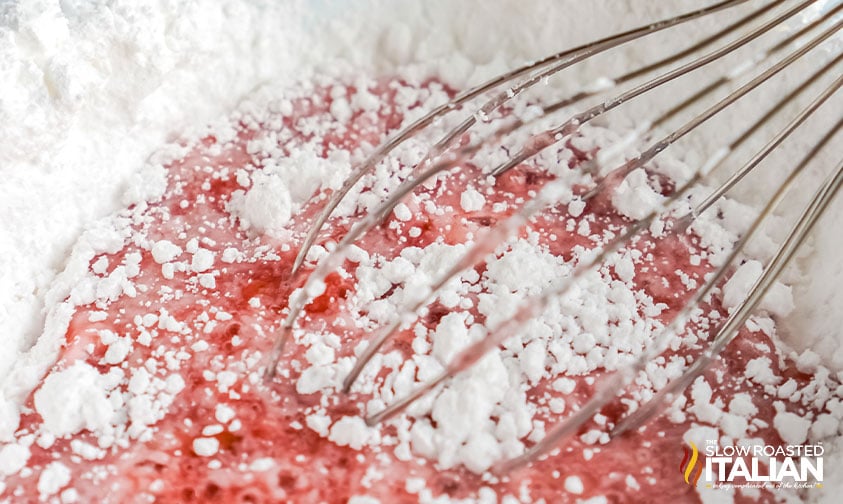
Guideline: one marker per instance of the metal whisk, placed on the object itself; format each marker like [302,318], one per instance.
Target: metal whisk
[816,34]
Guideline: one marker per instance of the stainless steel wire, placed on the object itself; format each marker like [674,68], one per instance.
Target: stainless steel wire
[818,27]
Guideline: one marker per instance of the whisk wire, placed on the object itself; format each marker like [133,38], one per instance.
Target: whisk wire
[729,330]
[542,68]
[677,214]
[486,244]
[621,379]
[337,256]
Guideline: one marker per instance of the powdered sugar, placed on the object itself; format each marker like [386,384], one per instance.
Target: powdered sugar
[165,251]
[634,197]
[205,447]
[284,185]
[13,457]
[75,399]
[53,479]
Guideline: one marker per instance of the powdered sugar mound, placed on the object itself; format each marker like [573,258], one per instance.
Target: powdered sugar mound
[75,399]
[54,478]
[472,200]
[147,184]
[284,186]
[452,335]
[778,300]
[350,431]
[13,457]
[9,419]
[165,251]
[77,284]
[817,293]
[266,206]
[737,288]
[634,197]
[792,428]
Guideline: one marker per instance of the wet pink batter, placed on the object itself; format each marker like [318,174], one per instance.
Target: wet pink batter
[306,467]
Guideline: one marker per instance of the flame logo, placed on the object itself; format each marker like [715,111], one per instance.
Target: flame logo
[687,466]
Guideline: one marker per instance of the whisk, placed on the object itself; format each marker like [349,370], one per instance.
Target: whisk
[815,34]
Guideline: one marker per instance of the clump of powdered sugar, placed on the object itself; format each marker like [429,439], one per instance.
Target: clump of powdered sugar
[273,194]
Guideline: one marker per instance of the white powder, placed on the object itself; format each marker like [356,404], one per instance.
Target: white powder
[792,428]
[471,200]
[202,260]
[284,186]
[90,90]
[165,251]
[12,458]
[74,399]
[634,197]
[55,476]
[350,431]
[266,205]
[205,447]
[573,484]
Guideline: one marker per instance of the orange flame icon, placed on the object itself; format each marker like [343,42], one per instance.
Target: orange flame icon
[687,466]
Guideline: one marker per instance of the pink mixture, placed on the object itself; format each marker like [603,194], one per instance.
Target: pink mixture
[182,347]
